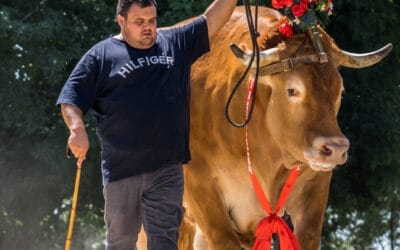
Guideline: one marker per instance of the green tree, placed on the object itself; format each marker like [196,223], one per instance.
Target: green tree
[364,193]
[40,42]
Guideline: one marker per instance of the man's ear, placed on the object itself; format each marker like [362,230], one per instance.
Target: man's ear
[120,20]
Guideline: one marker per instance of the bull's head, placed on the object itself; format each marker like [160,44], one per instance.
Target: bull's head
[306,82]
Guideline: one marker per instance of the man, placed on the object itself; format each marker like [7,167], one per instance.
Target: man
[136,84]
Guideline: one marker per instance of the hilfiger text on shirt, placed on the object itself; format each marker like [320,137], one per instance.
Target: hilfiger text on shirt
[146,61]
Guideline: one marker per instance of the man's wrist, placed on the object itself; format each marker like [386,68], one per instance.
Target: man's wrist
[77,128]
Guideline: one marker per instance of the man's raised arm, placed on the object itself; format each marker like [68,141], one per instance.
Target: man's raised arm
[217,14]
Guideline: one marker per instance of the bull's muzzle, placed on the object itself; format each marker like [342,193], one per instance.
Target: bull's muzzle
[327,152]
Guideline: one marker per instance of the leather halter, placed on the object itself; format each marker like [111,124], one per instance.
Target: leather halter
[288,64]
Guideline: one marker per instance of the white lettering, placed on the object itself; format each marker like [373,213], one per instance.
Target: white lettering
[141,60]
[170,60]
[154,60]
[123,71]
[163,60]
[134,65]
[128,66]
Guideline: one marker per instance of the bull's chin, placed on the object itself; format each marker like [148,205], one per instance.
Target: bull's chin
[291,162]
[321,166]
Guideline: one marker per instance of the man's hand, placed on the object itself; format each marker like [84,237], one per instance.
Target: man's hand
[78,141]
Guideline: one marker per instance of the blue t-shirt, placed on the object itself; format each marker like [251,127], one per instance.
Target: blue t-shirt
[140,98]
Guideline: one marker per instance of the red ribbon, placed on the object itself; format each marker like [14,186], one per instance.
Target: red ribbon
[273,223]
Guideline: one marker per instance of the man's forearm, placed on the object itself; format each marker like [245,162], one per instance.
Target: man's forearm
[217,14]
[73,116]
[78,141]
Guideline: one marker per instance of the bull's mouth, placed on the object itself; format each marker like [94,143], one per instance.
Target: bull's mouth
[318,162]
[323,163]
[321,166]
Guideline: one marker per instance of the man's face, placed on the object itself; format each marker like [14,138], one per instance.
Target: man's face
[139,28]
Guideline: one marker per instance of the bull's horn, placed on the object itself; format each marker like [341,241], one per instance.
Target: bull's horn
[267,57]
[354,60]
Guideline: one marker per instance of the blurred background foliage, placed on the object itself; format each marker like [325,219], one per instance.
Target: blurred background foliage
[42,40]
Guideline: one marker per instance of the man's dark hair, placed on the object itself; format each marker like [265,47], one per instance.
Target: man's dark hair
[124,5]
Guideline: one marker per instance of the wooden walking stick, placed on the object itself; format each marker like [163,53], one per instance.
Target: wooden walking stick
[74,202]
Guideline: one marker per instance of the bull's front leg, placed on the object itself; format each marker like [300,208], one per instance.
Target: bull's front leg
[308,233]
[308,211]
[216,234]
[212,217]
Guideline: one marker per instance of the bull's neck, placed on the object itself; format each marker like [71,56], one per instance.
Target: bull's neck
[266,158]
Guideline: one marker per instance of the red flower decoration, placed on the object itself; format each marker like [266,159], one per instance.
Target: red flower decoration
[300,15]
[299,9]
[279,4]
[285,28]
[307,2]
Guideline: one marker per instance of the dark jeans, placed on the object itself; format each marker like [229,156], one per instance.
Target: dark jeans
[154,199]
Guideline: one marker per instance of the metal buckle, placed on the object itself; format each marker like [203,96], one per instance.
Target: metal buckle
[323,57]
[287,64]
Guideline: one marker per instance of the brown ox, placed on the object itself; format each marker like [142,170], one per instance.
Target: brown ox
[294,122]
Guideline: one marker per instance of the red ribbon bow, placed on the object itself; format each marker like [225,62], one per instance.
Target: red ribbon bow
[274,223]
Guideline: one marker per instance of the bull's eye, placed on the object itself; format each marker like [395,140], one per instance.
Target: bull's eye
[295,89]
[292,92]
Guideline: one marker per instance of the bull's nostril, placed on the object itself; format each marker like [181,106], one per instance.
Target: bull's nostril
[330,149]
[326,151]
